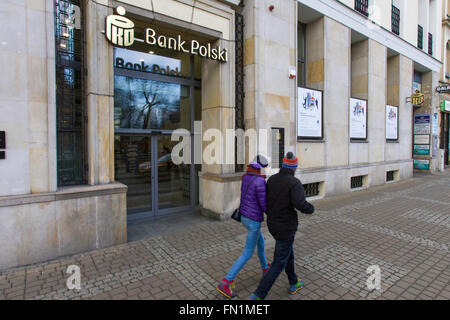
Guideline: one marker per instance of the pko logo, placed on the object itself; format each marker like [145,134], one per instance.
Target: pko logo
[120,30]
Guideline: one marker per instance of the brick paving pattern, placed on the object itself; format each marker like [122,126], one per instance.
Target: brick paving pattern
[403,228]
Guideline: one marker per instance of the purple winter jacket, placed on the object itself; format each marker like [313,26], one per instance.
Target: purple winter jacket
[254,204]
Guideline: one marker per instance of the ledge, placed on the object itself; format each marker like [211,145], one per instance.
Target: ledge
[311,140]
[65,193]
[229,177]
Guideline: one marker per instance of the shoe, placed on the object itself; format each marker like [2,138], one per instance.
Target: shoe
[294,288]
[226,288]
[265,270]
[254,297]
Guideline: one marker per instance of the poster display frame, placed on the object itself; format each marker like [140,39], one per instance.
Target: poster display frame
[388,138]
[300,105]
[358,138]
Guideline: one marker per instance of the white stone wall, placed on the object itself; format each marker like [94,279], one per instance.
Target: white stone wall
[27,98]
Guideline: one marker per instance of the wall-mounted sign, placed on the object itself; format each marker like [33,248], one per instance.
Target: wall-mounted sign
[422,149]
[416,99]
[422,123]
[119,29]
[120,32]
[358,118]
[443,89]
[421,164]
[2,144]
[146,62]
[435,145]
[445,105]
[421,139]
[309,113]
[2,140]
[434,124]
[416,86]
[391,123]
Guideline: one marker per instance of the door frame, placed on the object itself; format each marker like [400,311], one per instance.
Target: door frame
[154,134]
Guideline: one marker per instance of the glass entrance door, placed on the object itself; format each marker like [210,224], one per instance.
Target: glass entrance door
[156,185]
[149,104]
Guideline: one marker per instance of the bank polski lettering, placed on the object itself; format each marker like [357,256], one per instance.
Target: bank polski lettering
[145,62]
[120,32]
[192,47]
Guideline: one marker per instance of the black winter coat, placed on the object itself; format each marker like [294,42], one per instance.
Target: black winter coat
[285,193]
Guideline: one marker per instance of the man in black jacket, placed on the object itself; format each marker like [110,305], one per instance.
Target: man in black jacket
[285,193]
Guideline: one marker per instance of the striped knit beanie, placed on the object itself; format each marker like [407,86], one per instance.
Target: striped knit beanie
[290,161]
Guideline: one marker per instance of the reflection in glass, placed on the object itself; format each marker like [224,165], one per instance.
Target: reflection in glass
[132,167]
[173,180]
[147,104]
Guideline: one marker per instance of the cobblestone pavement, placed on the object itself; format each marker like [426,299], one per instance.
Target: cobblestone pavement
[402,227]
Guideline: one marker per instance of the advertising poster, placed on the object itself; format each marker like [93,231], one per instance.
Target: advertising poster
[309,115]
[391,123]
[435,127]
[422,123]
[435,145]
[358,118]
[421,164]
[422,149]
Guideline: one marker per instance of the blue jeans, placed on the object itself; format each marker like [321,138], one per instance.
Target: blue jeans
[283,258]
[254,239]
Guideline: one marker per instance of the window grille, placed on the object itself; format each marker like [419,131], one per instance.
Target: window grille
[390,176]
[69,92]
[311,189]
[239,84]
[420,37]
[395,20]
[430,43]
[356,182]
[362,6]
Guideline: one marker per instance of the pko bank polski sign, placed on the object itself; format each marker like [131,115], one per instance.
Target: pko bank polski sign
[120,32]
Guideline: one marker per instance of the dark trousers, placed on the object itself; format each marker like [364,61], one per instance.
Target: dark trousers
[283,258]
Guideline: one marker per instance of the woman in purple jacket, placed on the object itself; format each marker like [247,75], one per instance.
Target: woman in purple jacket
[253,206]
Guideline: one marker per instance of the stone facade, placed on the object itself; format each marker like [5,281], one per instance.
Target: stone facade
[41,221]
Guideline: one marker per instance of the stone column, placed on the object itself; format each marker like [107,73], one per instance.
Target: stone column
[337,92]
[377,102]
[219,186]
[100,96]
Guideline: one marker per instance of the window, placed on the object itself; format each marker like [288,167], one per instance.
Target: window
[362,6]
[395,20]
[301,55]
[239,84]
[311,189]
[69,93]
[390,176]
[356,182]
[430,43]
[420,37]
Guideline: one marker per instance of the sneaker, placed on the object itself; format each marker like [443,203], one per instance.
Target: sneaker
[265,270]
[254,297]
[294,288]
[226,288]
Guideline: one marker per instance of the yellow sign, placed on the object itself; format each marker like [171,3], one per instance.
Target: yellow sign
[416,98]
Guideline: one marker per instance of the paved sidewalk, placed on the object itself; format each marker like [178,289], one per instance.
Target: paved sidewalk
[402,227]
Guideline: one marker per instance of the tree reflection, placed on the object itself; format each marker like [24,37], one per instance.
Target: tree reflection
[144,104]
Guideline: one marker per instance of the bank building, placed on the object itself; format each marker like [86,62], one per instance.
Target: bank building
[92,92]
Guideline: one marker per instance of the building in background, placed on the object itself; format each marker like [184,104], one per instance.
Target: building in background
[92,91]
[444,90]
